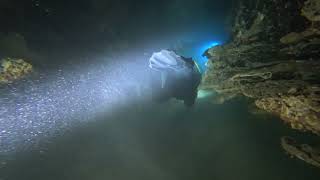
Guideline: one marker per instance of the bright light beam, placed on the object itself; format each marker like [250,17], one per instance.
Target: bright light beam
[202,94]
[43,108]
[201,60]
[196,49]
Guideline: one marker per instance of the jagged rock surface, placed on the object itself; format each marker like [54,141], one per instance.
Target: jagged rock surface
[273,58]
[303,152]
[311,10]
[300,109]
[13,69]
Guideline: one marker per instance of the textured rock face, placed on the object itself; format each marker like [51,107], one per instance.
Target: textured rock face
[273,58]
[300,110]
[303,152]
[311,10]
[13,69]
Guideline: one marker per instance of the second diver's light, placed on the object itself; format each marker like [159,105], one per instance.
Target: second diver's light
[201,60]
[204,94]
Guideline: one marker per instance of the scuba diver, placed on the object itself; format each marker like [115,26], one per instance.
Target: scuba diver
[174,76]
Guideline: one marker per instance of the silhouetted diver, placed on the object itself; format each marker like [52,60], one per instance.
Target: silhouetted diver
[174,76]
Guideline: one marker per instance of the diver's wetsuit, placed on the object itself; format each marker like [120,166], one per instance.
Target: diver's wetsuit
[181,85]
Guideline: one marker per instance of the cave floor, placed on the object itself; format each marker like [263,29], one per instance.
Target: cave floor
[167,142]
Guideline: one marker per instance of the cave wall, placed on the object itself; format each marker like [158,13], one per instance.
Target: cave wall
[273,58]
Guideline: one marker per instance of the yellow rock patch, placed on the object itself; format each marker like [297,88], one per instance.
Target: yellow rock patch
[13,69]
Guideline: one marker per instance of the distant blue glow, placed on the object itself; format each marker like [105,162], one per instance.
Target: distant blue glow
[208,46]
[195,49]
[201,60]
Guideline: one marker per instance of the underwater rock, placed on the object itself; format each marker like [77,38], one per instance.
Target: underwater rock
[301,109]
[303,152]
[295,37]
[271,60]
[302,44]
[13,69]
[311,10]
[291,38]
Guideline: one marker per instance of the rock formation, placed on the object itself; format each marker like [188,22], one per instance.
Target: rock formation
[304,152]
[272,58]
[13,69]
